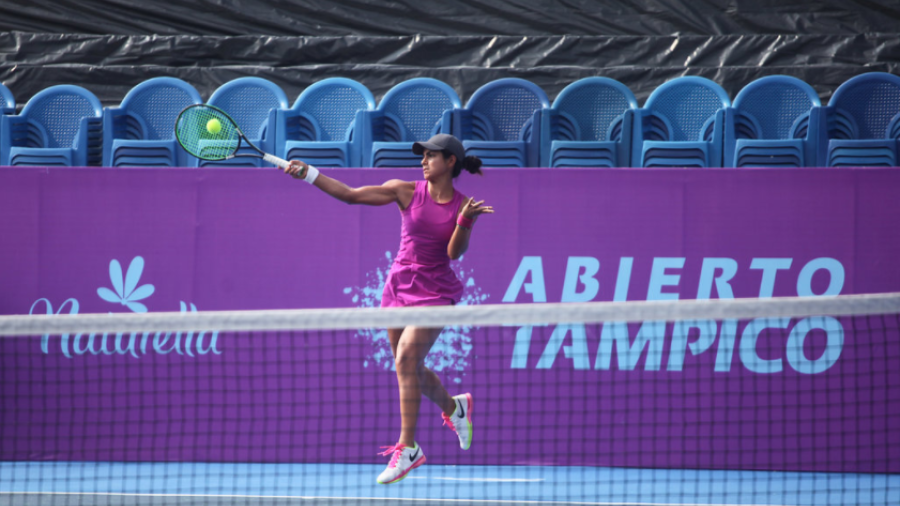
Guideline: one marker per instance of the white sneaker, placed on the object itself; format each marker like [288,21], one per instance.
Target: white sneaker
[403,460]
[461,420]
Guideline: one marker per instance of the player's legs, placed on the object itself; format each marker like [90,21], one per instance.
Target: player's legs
[409,358]
[433,389]
[429,382]
[410,346]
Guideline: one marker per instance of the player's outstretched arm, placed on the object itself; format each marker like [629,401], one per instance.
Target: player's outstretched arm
[392,191]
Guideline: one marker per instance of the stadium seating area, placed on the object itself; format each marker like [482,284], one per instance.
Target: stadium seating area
[774,121]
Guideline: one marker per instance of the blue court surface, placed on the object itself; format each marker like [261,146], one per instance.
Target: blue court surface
[89,483]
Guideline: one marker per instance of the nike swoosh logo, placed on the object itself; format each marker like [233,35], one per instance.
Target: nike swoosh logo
[413,456]
[462,411]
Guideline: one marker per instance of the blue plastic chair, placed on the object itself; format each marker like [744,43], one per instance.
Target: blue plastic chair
[775,122]
[589,125]
[253,103]
[141,131]
[411,111]
[7,101]
[7,106]
[60,126]
[681,125]
[320,128]
[501,123]
[863,122]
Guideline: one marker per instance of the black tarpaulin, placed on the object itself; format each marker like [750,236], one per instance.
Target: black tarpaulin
[109,65]
[109,46]
[450,17]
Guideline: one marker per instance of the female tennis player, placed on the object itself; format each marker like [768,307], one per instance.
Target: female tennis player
[436,226]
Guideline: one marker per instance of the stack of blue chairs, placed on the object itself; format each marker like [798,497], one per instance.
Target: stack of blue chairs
[7,105]
[681,125]
[60,126]
[863,122]
[775,122]
[7,101]
[321,127]
[501,123]
[252,102]
[589,125]
[411,111]
[140,132]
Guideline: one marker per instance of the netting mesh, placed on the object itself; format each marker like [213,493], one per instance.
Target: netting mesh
[666,403]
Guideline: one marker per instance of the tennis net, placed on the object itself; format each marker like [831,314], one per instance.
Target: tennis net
[746,401]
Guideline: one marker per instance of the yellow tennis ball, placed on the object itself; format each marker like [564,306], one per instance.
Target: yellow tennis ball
[214,126]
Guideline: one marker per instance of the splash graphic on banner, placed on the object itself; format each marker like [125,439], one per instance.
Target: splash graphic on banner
[449,355]
[126,292]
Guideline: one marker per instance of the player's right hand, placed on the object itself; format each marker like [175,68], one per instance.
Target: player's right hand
[297,169]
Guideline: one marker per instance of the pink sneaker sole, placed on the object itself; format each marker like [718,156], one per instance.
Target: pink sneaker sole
[395,480]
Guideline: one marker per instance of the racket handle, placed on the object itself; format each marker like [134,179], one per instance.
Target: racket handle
[274,160]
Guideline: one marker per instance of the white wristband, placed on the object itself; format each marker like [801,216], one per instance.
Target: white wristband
[311,174]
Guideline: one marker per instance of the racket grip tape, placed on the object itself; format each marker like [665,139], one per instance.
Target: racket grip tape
[274,160]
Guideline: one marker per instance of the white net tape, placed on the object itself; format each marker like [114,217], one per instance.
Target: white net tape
[487,314]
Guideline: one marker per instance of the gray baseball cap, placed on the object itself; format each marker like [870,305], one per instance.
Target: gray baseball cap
[442,142]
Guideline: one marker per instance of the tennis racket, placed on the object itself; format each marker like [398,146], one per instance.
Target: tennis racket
[209,133]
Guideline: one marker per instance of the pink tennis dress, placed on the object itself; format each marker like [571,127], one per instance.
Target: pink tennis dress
[421,274]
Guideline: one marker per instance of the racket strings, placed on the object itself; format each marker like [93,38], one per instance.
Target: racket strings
[207,133]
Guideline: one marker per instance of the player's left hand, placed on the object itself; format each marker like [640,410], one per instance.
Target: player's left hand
[472,208]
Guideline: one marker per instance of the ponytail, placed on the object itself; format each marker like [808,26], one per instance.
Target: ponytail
[471,164]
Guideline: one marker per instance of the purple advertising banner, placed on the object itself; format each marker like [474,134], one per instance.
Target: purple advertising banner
[702,394]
